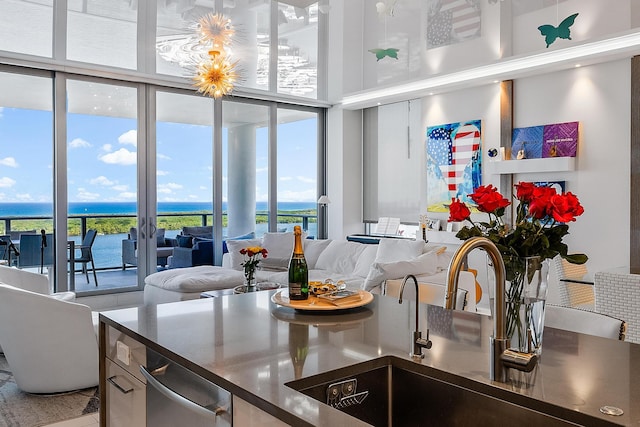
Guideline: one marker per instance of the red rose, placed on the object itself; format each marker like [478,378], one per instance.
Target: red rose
[243,251]
[488,199]
[458,211]
[540,202]
[565,207]
[524,191]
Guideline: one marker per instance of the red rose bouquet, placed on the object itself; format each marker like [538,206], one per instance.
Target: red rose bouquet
[540,224]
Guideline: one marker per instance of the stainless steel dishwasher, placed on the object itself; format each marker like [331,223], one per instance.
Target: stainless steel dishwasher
[178,397]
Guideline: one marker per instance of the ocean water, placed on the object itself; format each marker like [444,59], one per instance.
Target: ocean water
[107,248]
[129,208]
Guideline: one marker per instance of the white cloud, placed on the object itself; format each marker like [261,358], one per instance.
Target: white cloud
[163,156]
[6,182]
[169,187]
[262,170]
[83,194]
[79,143]
[1,111]
[101,180]
[128,195]
[121,187]
[129,137]
[297,196]
[120,157]
[306,180]
[161,173]
[202,187]
[286,178]
[9,161]
[24,197]
[107,147]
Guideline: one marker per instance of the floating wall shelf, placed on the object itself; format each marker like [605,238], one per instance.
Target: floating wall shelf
[550,164]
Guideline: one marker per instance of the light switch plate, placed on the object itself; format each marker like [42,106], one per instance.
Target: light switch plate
[123,353]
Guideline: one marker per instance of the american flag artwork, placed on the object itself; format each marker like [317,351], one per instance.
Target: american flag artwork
[453,163]
[452,21]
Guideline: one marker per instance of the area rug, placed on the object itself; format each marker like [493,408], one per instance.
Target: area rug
[19,409]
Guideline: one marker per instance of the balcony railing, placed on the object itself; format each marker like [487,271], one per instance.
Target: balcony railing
[113,228]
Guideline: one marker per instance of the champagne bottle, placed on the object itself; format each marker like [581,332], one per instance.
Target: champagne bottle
[298,271]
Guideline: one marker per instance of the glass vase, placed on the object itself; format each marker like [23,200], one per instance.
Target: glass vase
[525,299]
[249,284]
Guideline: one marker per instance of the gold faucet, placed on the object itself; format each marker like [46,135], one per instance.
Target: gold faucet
[501,356]
[418,342]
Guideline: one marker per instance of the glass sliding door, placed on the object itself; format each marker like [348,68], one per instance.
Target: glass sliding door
[184,175]
[26,170]
[298,170]
[102,170]
[245,168]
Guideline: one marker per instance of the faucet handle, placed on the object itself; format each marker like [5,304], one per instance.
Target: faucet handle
[520,361]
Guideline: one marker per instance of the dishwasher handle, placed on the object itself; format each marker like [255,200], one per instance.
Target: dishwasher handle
[181,400]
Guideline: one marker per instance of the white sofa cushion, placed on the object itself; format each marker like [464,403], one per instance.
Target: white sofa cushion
[425,264]
[280,247]
[366,260]
[340,257]
[195,279]
[312,250]
[234,247]
[390,250]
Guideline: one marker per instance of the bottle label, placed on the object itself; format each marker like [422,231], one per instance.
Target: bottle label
[295,289]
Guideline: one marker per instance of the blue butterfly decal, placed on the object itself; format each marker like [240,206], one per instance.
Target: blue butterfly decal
[381,53]
[562,31]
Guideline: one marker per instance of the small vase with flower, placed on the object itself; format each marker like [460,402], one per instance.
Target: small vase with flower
[252,257]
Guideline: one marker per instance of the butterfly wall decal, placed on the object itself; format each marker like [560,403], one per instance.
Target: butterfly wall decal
[562,31]
[381,53]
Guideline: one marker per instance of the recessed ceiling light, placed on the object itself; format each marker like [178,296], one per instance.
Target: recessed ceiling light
[578,65]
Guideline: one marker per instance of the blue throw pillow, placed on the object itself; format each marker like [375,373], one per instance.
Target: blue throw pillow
[184,241]
[247,236]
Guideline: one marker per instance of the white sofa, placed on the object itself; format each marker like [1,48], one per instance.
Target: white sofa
[361,266]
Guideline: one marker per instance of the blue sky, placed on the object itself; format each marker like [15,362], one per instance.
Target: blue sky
[102,159]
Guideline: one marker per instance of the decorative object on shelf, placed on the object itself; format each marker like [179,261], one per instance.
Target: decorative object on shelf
[252,256]
[552,140]
[215,75]
[454,163]
[541,221]
[562,31]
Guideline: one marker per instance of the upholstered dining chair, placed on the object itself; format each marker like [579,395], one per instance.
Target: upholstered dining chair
[573,294]
[50,344]
[86,255]
[584,322]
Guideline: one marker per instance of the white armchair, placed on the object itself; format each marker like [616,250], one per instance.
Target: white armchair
[50,344]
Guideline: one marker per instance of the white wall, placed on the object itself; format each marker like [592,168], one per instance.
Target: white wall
[599,98]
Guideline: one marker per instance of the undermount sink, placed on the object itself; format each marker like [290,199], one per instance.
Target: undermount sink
[391,391]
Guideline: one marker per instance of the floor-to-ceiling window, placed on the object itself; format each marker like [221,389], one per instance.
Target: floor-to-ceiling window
[133,133]
[26,169]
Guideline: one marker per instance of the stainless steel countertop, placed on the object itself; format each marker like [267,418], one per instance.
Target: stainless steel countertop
[241,342]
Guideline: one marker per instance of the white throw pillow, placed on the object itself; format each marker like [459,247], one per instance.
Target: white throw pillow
[340,257]
[390,250]
[425,264]
[366,260]
[234,247]
[312,250]
[280,248]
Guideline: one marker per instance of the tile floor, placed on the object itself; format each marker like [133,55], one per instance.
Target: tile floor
[91,420]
